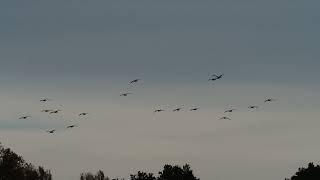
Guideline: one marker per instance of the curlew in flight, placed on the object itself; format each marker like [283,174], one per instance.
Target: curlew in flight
[158,110]
[51,131]
[24,117]
[45,100]
[83,114]
[176,110]
[225,118]
[71,126]
[218,76]
[269,100]
[134,81]
[253,107]
[212,79]
[55,111]
[230,110]
[47,110]
[125,94]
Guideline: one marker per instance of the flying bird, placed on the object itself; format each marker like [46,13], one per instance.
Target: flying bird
[194,109]
[125,94]
[269,100]
[225,118]
[51,131]
[212,79]
[158,110]
[134,81]
[55,112]
[230,110]
[24,117]
[46,110]
[253,107]
[45,100]
[83,114]
[218,76]
[71,126]
[177,109]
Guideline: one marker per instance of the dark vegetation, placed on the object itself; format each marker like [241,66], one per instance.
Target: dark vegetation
[168,173]
[14,167]
[312,172]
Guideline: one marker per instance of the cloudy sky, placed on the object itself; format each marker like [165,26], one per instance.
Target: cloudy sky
[82,54]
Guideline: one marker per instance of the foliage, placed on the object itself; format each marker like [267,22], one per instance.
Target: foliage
[312,172]
[176,173]
[98,176]
[168,173]
[142,176]
[13,167]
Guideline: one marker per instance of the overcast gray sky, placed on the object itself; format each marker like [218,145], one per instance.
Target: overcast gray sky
[82,54]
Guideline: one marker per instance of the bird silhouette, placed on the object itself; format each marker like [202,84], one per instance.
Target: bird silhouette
[218,76]
[212,79]
[194,109]
[45,100]
[253,107]
[158,110]
[269,100]
[55,111]
[230,110]
[125,94]
[24,117]
[71,126]
[177,109]
[51,131]
[83,114]
[134,81]
[225,118]
[46,110]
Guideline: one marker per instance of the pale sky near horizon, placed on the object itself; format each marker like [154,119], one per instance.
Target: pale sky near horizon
[82,54]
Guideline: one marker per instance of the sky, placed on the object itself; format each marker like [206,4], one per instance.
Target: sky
[82,54]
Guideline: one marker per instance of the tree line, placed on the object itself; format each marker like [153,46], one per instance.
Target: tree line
[169,172]
[14,167]
[312,172]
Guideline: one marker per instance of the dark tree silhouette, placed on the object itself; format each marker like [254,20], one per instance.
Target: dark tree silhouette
[176,173]
[168,173]
[87,176]
[142,176]
[98,176]
[13,167]
[312,172]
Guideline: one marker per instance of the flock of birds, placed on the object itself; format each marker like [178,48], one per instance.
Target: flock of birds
[214,77]
[54,111]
